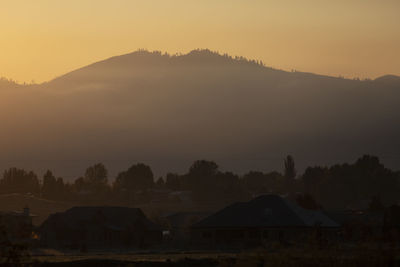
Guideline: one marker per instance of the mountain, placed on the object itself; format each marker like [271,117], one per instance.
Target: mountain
[169,110]
[389,80]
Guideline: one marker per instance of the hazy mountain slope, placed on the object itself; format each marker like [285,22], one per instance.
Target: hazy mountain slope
[169,110]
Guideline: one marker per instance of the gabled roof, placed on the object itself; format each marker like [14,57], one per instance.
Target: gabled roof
[115,218]
[266,211]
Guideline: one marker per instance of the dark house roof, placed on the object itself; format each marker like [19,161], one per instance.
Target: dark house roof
[266,211]
[114,218]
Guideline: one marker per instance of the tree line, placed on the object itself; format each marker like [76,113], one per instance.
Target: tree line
[334,187]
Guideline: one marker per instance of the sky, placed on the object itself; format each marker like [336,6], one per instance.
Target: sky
[43,39]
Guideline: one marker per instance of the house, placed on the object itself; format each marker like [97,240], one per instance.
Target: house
[264,219]
[17,225]
[99,227]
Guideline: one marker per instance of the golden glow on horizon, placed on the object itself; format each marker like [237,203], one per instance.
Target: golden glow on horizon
[42,39]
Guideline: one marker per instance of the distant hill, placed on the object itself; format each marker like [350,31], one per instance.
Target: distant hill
[389,79]
[170,110]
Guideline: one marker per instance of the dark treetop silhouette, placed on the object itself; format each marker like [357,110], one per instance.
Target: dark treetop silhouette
[329,187]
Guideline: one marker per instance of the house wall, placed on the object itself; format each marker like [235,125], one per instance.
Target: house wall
[98,238]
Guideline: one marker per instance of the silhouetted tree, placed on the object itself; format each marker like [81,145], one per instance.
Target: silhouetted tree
[307,201]
[137,177]
[290,170]
[290,174]
[312,178]
[227,188]
[62,189]
[79,184]
[201,178]
[203,168]
[49,186]
[94,182]
[257,182]
[392,216]
[19,181]
[376,205]
[333,187]
[96,174]
[254,182]
[173,181]
[160,182]
[342,184]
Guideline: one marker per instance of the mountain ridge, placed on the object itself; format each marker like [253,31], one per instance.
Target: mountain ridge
[204,56]
[168,111]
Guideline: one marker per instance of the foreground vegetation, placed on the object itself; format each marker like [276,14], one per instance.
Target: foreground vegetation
[346,257]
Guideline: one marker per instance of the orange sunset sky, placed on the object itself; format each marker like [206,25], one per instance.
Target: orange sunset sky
[42,39]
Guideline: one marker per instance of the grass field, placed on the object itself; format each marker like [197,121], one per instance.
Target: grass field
[257,258]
